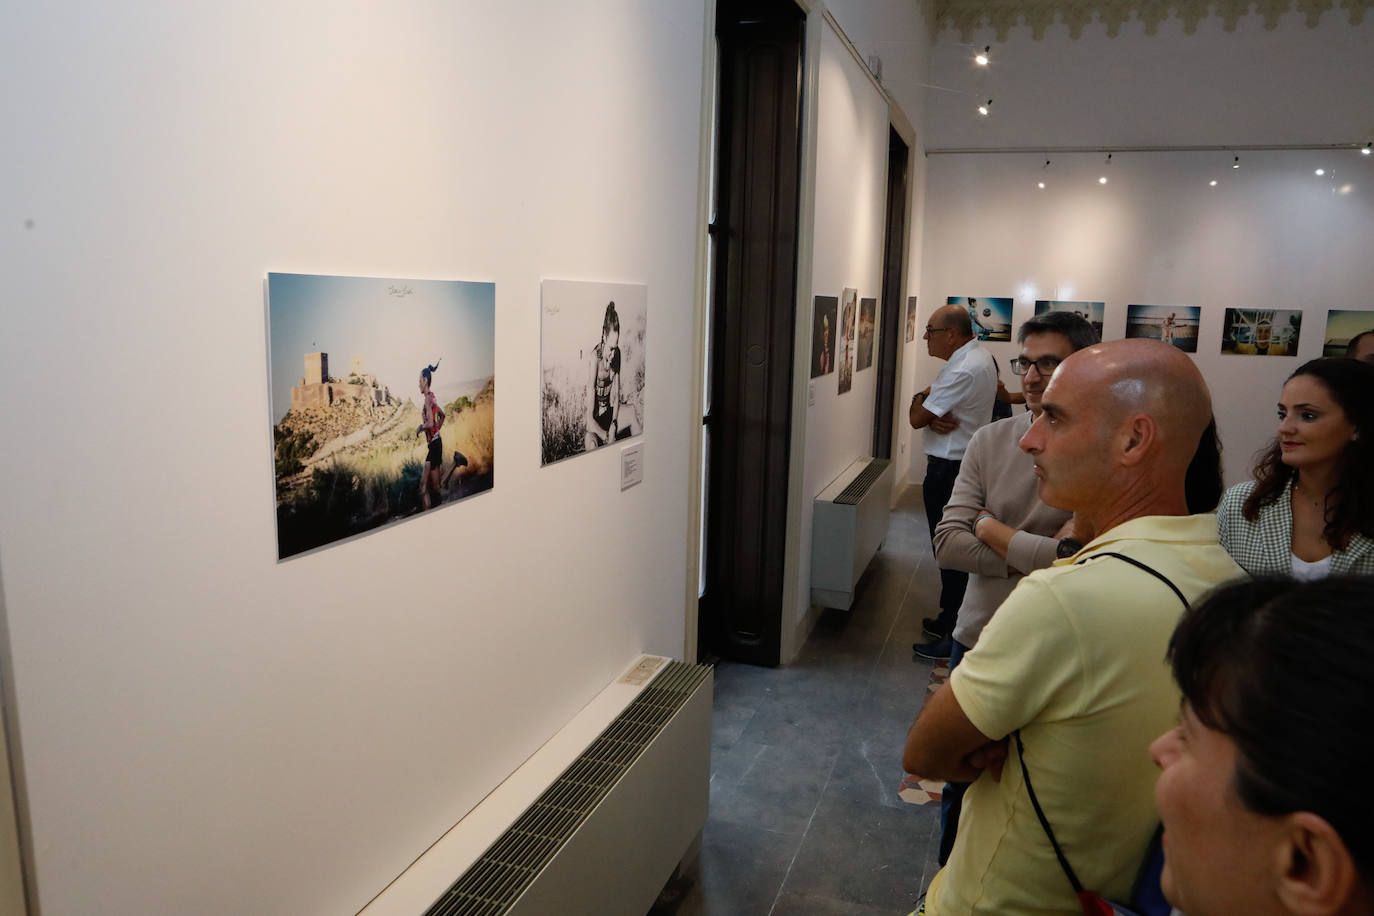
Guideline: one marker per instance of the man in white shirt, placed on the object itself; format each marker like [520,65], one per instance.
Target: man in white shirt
[951,410]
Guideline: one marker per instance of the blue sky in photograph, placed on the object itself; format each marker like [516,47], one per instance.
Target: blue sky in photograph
[396,326]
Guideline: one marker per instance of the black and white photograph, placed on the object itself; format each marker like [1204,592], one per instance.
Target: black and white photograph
[591,363]
[868,315]
[823,336]
[849,308]
[910,319]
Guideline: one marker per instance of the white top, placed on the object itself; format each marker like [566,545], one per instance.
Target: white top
[966,388]
[1304,571]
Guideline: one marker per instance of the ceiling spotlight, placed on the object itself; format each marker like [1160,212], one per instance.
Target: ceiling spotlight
[1366,150]
[1213,182]
[1236,163]
[1040,185]
[1102,180]
[983,109]
[1319,172]
[981,58]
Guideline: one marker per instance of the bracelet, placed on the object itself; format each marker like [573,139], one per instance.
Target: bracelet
[983,516]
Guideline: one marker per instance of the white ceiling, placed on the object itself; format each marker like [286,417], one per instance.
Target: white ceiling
[1292,85]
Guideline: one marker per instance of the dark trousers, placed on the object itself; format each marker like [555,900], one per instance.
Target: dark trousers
[952,797]
[935,491]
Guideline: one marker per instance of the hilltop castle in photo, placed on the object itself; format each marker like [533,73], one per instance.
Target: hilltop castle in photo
[318,389]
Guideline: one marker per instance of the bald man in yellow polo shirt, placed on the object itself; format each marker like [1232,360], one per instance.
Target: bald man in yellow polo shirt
[1074,658]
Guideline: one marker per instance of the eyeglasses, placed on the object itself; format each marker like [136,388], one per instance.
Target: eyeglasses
[930,330]
[1045,365]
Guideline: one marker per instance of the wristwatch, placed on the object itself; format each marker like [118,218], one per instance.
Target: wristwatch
[1067,548]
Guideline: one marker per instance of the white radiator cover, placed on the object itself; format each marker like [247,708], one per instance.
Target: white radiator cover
[844,537]
[620,857]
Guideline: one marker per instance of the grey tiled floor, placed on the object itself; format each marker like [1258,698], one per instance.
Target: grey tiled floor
[806,760]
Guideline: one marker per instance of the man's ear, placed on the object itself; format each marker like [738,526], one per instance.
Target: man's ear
[1135,437]
[1315,872]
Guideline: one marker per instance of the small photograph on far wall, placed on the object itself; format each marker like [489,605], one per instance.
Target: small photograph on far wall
[1173,324]
[991,315]
[1341,326]
[1092,312]
[849,307]
[868,314]
[823,336]
[591,363]
[1261,332]
[407,426]
[910,319]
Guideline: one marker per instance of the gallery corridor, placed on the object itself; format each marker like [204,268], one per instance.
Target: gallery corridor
[805,815]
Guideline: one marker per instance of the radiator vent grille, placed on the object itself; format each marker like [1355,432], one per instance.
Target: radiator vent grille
[851,494]
[497,879]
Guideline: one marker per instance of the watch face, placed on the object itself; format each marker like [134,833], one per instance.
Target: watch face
[1067,548]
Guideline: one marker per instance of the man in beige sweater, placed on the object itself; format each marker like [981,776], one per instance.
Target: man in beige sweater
[994,526]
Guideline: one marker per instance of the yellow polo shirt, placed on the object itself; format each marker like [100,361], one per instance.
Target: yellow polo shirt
[1075,658]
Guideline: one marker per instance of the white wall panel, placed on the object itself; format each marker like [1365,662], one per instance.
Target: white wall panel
[205,729]
[850,199]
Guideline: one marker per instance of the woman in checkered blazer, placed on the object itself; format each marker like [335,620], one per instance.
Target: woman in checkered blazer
[1309,512]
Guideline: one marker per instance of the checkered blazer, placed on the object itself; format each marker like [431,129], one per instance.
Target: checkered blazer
[1266,544]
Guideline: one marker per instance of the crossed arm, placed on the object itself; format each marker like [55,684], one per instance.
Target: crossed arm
[944,744]
[921,418]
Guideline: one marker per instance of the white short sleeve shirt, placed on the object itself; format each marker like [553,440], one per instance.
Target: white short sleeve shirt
[966,388]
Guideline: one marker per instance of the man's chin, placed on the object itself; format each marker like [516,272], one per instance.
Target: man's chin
[1045,490]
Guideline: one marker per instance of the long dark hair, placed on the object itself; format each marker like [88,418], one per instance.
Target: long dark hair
[1243,658]
[1203,486]
[1350,510]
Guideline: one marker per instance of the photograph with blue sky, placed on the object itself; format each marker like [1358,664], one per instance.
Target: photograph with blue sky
[1173,324]
[991,315]
[360,439]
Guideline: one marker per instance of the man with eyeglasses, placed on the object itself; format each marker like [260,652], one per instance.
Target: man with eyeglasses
[995,527]
[951,410]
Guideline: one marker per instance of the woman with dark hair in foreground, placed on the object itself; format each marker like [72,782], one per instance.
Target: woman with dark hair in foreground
[1309,512]
[1264,790]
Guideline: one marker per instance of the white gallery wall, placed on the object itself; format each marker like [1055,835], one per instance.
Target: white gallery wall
[1269,235]
[896,33]
[204,729]
[850,201]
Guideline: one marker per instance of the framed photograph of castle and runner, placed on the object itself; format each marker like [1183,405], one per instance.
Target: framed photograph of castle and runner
[591,363]
[383,400]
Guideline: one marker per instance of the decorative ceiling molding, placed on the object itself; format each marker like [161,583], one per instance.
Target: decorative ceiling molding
[969,16]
